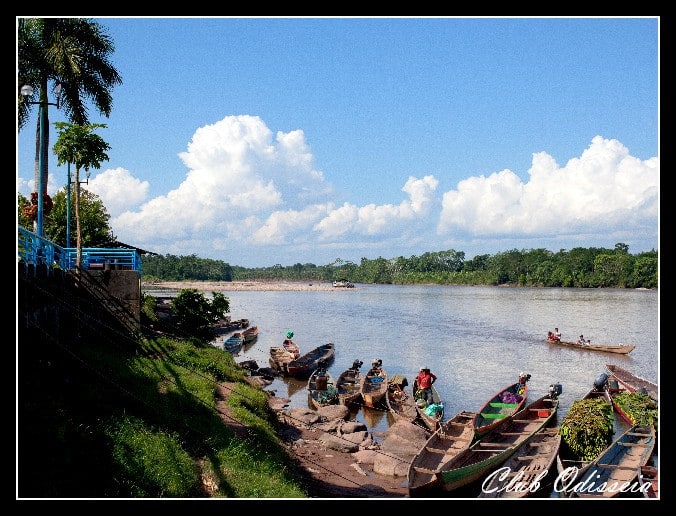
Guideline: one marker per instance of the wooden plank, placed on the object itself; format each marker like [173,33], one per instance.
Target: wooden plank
[616,466]
[420,469]
[530,457]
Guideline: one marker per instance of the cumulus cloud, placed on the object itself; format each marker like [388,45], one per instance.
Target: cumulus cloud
[603,190]
[118,189]
[384,219]
[257,195]
[240,176]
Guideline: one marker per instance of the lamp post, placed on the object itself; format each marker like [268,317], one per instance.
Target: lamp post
[68,209]
[70,181]
[27,91]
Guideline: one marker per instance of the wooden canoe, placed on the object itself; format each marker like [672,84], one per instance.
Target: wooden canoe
[348,385]
[566,458]
[648,480]
[234,343]
[502,405]
[280,358]
[305,364]
[616,469]
[633,407]
[631,382]
[531,468]
[399,400]
[495,447]
[321,388]
[226,325]
[432,422]
[608,348]
[454,436]
[374,387]
[250,334]
[291,347]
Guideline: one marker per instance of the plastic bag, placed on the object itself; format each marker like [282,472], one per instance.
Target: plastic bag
[433,409]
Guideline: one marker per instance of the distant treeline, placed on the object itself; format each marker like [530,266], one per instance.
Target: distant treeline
[579,268]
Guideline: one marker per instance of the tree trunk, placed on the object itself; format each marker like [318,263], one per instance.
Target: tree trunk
[78,244]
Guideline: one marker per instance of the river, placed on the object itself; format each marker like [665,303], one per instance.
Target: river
[476,339]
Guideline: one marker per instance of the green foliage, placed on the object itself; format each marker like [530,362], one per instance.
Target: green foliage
[80,145]
[587,428]
[148,306]
[23,221]
[175,268]
[94,220]
[196,315]
[578,268]
[640,407]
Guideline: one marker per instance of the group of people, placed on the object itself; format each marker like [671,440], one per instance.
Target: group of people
[556,335]
[582,342]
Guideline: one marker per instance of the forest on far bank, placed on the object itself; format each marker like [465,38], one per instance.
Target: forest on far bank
[577,268]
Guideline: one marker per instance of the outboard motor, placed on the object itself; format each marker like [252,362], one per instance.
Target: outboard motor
[555,390]
[356,365]
[600,381]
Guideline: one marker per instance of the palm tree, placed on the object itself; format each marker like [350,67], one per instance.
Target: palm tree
[80,145]
[71,53]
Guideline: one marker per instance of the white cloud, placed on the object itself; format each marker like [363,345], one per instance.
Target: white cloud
[239,177]
[384,219]
[118,189]
[254,198]
[603,190]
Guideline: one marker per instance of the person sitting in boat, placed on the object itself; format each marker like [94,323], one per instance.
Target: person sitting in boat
[424,381]
[581,341]
[557,334]
[376,367]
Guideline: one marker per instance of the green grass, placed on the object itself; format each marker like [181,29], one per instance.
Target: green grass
[99,421]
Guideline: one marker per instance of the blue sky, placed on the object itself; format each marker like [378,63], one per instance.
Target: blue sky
[263,141]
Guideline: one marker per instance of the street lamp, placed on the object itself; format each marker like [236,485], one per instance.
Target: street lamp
[27,91]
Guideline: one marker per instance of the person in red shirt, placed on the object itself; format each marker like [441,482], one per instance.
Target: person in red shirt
[424,380]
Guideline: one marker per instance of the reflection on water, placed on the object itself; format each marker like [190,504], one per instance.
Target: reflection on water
[293,386]
[373,417]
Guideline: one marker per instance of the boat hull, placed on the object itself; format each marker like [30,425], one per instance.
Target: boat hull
[622,349]
[374,387]
[496,411]
[496,447]
[454,436]
[348,386]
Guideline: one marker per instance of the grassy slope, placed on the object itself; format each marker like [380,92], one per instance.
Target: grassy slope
[108,416]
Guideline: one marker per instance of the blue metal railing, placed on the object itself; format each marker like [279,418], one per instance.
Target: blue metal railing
[36,250]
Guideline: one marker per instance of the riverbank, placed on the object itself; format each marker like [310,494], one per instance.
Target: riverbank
[238,286]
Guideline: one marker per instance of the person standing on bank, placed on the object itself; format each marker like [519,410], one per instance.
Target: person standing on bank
[424,380]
